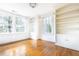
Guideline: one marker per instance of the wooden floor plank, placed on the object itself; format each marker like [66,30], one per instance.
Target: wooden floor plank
[43,48]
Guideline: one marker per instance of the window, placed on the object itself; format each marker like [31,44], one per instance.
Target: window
[19,24]
[32,24]
[5,24]
[47,24]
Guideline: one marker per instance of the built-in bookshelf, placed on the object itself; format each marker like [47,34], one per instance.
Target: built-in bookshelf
[67,18]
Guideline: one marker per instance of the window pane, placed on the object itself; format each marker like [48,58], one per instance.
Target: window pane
[5,23]
[19,24]
[47,24]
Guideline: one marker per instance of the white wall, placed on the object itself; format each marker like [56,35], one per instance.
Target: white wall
[68,40]
[38,29]
[6,38]
[35,33]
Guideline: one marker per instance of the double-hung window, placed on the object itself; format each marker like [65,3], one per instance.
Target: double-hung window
[19,24]
[47,26]
[5,24]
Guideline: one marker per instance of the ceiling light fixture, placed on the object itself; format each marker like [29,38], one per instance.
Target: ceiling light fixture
[33,5]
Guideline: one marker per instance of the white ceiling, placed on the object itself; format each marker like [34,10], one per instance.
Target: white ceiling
[26,10]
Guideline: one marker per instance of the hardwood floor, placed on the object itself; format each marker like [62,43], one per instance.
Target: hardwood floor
[43,48]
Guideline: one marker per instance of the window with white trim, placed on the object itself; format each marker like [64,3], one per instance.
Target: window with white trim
[19,24]
[47,26]
[5,24]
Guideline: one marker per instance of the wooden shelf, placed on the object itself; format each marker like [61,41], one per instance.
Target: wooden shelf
[67,17]
[67,8]
[66,12]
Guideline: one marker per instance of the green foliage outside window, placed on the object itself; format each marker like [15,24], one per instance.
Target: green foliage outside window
[5,23]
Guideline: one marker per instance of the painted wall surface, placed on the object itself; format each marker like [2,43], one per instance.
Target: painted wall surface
[67,24]
[7,38]
[68,40]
